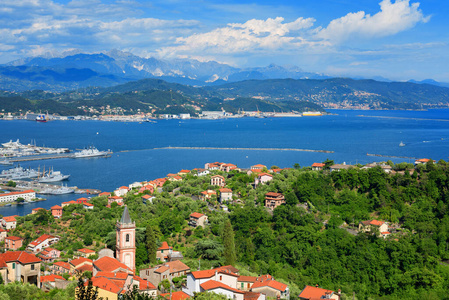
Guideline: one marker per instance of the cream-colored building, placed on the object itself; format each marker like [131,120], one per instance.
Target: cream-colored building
[20,266]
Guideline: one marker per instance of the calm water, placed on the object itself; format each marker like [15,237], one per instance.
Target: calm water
[135,159]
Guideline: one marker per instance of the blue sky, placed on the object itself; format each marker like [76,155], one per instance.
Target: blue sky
[395,39]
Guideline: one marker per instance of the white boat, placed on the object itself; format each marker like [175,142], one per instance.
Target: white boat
[24,174]
[62,190]
[5,162]
[10,172]
[401,144]
[53,176]
[91,152]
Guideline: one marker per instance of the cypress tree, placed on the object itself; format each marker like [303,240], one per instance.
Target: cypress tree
[229,245]
[151,245]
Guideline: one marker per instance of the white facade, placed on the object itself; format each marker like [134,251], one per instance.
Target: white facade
[10,197]
[193,284]
[135,185]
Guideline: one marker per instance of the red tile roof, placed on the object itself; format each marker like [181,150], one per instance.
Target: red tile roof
[70,202]
[162,269]
[107,284]
[196,215]
[41,239]
[85,250]
[180,295]
[212,284]
[112,275]
[174,267]
[10,218]
[79,261]
[144,284]
[51,278]
[63,264]
[318,165]
[247,278]
[56,207]
[225,190]
[311,292]
[270,283]
[110,264]
[251,296]
[104,194]
[258,166]
[211,272]
[85,268]
[88,204]
[13,238]
[164,246]
[37,208]
[20,256]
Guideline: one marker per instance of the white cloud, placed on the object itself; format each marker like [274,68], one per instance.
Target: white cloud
[392,18]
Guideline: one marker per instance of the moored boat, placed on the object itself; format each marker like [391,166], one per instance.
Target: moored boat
[91,152]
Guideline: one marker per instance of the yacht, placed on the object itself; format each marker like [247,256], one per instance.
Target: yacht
[401,144]
[5,162]
[91,152]
[53,176]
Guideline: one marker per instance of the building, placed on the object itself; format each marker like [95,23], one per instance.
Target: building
[183,172]
[88,206]
[217,180]
[258,167]
[163,251]
[52,281]
[201,172]
[9,222]
[28,195]
[121,191]
[218,287]
[225,194]
[110,264]
[13,242]
[367,226]
[81,200]
[36,210]
[273,200]
[3,234]
[207,195]
[197,219]
[317,166]
[315,292]
[60,267]
[84,252]
[271,288]
[49,254]
[56,211]
[338,167]
[126,240]
[263,178]
[148,198]
[21,266]
[42,242]
[67,203]
[180,295]
[80,265]
[168,270]
[221,275]
[244,283]
[116,199]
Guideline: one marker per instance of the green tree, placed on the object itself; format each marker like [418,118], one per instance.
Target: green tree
[229,245]
[86,293]
[11,183]
[151,244]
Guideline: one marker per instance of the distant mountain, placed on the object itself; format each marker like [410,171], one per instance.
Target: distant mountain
[115,67]
[430,81]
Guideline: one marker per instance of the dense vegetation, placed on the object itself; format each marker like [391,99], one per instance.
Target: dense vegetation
[309,240]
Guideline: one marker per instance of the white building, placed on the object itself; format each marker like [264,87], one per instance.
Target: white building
[28,195]
[42,242]
[221,275]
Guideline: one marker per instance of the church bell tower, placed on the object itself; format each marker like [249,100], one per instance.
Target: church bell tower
[126,240]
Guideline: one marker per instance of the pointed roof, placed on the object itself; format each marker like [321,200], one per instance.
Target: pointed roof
[126,219]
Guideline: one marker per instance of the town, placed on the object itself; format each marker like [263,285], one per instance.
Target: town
[57,255]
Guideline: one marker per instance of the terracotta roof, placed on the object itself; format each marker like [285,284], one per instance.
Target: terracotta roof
[56,207]
[82,199]
[265,174]
[144,284]
[3,230]
[41,239]
[63,264]
[88,204]
[196,215]
[251,296]
[20,256]
[258,166]
[37,208]
[10,218]
[13,238]
[229,268]
[176,295]
[110,264]
[79,261]
[123,188]
[164,246]
[385,232]
[211,272]
[212,284]
[106,284]
[270,283]
[247,278]
[225,190]
[372,222]
[70,202]
[174,266]
[85,268]
[162,269]
[310,292]
[51,278]
[273,194]
[85,250]
[111,275]
[184,171]
[104,194]
[17,193]
[218,176]
[320,165]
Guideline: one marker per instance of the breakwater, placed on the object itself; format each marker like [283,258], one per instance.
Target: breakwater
[390,156]
[403,118]
[249,149]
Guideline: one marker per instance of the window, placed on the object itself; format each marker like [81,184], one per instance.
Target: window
[221,278]
[13,265]
[32,267]
[127,238]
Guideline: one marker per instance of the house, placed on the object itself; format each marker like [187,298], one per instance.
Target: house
[422,161]
[180,295]
[9,222]
[221,275]
[135,185]
[228,167]
[263,178]
[175,178]
[213,166]
[80,265]
[168,270]
[20,266]
[163,251]
[110,264]
[35,210]
[88,206]
[244,283]
[104,194]
[116,199]
[67,203]
[56,211]
[13,242]
[147,187]
[52,281]
[318,166]
[258,167]
[49,254]
[201,172]
[121,191]
[311,292]
[253,296]
[218,287]
[60,267]
[205,195]
[197,219]
[273,200]
[81,200]
[84,252]
[225,194]
[270,287]
[3,234]
[338,167]
[217,180]
[42,242]
[367,226]
[28,195]
[183,172]
[148,198]
[385,234]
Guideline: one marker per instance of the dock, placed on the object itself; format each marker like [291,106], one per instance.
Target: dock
[246,149]
[23,185]
[39,157]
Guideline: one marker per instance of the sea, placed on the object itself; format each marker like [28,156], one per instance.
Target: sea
[140,154]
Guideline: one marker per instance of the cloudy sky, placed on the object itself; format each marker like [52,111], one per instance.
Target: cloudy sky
[395,39]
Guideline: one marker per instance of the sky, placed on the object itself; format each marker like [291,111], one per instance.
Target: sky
[394,39]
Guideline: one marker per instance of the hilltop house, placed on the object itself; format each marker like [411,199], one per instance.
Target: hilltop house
[20,266]
[13,242]
[225,195]
[42,242]
[168,270]
[197,219]
[317,166]
[263,178]
[217,180]
[273,200]
[367,226]
[9,222]
[315,292]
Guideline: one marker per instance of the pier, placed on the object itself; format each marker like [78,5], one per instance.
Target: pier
[35,157]
[390,156]
[249,149]
[23,185]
